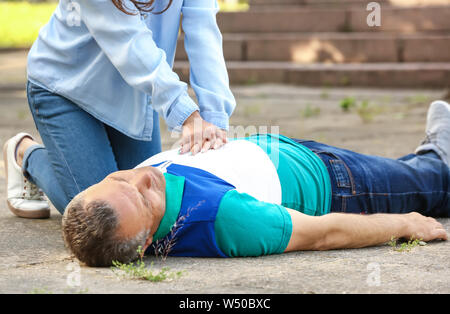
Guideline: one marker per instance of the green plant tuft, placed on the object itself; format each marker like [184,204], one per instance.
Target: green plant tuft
[405,246]
[347,104]
[139,270]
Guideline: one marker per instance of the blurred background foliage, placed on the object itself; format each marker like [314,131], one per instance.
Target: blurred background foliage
[22,20]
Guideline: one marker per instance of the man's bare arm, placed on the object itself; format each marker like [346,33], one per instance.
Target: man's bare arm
[339,231]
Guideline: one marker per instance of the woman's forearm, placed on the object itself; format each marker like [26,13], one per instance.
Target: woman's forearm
[208,72]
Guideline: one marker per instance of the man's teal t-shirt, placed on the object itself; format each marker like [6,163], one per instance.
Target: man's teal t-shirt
[245,226]
[304,178]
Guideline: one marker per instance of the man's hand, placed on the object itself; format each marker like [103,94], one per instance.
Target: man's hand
[424,228]
[199,135]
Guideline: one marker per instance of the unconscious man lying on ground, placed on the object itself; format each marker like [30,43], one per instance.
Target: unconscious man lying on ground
[265,194]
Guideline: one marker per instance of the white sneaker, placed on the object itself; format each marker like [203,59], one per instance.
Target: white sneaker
[24,198]
[438,131]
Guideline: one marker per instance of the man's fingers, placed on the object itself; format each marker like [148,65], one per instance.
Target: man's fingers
[440,234]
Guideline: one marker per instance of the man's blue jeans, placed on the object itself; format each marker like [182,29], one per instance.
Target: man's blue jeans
[371,184]
[79,150]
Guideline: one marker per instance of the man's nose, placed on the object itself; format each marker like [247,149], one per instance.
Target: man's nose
[142,180]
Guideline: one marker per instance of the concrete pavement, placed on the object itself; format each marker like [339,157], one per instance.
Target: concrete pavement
[33,257]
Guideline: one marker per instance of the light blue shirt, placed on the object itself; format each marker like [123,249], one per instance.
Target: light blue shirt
[118,67]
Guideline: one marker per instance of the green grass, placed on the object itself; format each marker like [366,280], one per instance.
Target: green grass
[405,246]
[365,110]
[140,271]
[347,103]
[310,111]
[238,6]
[21,21]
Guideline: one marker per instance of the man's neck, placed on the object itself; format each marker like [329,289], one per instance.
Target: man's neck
[165,220]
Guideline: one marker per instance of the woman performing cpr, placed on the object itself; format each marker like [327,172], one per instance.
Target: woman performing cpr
[99,75]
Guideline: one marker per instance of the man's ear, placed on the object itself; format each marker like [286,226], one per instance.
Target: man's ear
[147,244]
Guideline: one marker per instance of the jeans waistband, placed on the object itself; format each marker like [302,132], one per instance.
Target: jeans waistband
[341,177]
[340,174]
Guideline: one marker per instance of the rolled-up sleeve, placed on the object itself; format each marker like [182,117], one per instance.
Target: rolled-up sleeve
[129,45]
[208,73]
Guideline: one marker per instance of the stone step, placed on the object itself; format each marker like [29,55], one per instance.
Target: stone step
[393,75]
[333,47]
[271,4]
[393,19]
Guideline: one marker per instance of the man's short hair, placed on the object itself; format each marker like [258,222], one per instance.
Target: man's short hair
[90,232]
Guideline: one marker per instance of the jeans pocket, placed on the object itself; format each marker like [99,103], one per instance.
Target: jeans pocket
[30,95]
[341,174]
[34,94]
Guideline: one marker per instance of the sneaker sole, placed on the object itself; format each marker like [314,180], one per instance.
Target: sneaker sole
[30,214]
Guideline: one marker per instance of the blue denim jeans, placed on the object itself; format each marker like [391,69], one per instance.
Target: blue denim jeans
[371,184]
[79,150]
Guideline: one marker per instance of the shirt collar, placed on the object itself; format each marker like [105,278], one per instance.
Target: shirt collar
[174,196]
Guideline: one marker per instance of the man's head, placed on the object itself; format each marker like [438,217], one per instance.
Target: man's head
[110,220]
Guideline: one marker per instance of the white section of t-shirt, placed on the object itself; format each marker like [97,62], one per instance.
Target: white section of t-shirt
[240,163]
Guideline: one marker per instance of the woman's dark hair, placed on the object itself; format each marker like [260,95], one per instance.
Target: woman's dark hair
[142,6]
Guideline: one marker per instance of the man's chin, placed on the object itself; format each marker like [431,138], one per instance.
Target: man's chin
[159,181]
